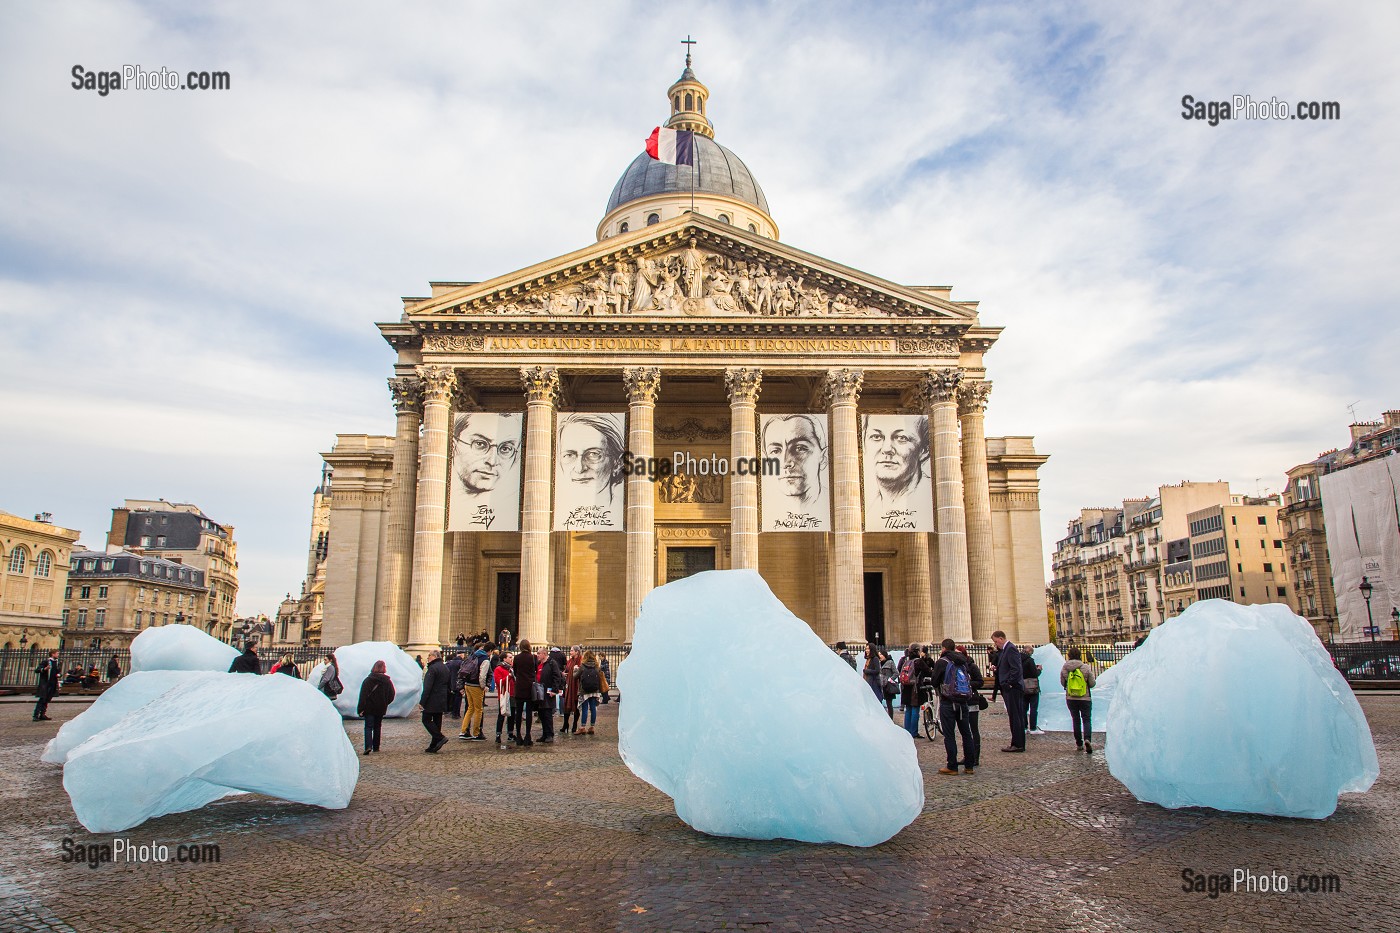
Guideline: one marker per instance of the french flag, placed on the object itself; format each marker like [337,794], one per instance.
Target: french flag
[675,147]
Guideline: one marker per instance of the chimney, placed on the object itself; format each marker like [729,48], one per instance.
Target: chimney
[117,535]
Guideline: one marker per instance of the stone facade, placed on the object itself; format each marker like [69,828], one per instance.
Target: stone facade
[34,560]
[113,595]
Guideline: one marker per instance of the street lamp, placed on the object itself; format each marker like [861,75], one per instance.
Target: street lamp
[1366,589]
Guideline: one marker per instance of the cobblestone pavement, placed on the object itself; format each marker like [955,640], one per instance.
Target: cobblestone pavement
[563,838]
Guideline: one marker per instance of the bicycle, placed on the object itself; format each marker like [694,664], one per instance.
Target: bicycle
[928,711]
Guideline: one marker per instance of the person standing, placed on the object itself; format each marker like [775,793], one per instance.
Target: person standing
[1078,680]
[871,672]
[592,684]
[437,696]
[551,680]
[330,683]
[845,654]
[952,677]
[992,655]
[114,670]
[376,693]
[889,681]
[974,709]
[48,671]
[472,676]
[910,671]
[504,679]
[287,666]
[454,668]
[1011,680]
[247,662]
[605,667]
[571,689]
[526,670]
[1030,675]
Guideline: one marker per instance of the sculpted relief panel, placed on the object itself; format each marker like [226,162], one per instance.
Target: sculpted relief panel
[688,281]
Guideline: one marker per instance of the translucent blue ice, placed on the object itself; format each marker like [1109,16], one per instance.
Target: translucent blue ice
[1052,715]
[734,709]
[1237,708]
[130,693]
[179,648]
[207,737]
[356,660]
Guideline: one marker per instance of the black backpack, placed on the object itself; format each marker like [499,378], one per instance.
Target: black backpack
[590,679]
[469,674]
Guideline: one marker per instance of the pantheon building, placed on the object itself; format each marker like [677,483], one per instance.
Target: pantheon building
[687,393]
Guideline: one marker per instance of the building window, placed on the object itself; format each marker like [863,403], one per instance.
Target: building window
[100,619]
[1263,520]
[85,593]
[180,599]
[141,595]
[165,618]
[138,620]
[44,564]
[1283,591]
[146,540]
[107,565]
[1278,544]
[65,618]
[753,229]
[167,599]
[724,218]
[102,592]
[689,101]
[160,540]
[653,219]
[623,228]
[1268,568]
[82,618]
[18,557]
[68,592]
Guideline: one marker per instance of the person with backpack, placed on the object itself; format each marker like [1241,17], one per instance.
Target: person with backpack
[1030,677]
[952,672]
[472,676]
[504,679]
[592,684]
[974,710]
[330,683]
[913,668]
[376,693]
[454,670]
[1078,680]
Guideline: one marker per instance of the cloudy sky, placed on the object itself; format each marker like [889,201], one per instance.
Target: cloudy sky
[189,281]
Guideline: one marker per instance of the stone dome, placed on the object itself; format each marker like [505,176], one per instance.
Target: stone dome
[720,171]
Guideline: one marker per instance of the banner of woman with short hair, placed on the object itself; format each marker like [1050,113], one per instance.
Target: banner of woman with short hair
[589,493]
[898,473]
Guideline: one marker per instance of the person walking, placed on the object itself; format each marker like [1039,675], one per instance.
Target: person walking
[592,684]
[330,683]
[472,676]
[1078,680]
[526,668]
[247,662]
[952,675]
[376,693]
[889,681]
[571,690]
[1030,676]
[114,670]
[287,666]
[551,687]
[504,679]
[437,696]
[1011,679]
[47,688]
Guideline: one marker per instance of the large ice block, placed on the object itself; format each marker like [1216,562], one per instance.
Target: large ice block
[1051,714]
[130,693]
[755,728]
[208,737]
[180,648]
[1237,708]
[355,662]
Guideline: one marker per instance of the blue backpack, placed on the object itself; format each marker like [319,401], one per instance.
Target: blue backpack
[957,684]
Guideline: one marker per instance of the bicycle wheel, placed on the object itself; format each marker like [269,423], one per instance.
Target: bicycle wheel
[930,723]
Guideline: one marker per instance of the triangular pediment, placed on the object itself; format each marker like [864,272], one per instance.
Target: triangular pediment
[695,267]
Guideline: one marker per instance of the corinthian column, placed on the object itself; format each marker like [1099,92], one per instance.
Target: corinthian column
[391,621]
[743,385]
[977,501]
[848,574]
[642,382]
[939,390]
[425,605]
[541,388]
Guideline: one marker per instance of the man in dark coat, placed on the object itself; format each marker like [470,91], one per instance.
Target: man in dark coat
[524,667]
[247,662]
[953,710]
[1011,680]
[437,696]
[48,671]
[552,679]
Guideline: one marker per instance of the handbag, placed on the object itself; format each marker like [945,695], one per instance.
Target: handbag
[1032,685]
[537,692]
[891,689]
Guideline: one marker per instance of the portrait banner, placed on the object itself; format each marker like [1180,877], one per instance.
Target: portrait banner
[588,478]
[898,473]
[798,496]
[485,480]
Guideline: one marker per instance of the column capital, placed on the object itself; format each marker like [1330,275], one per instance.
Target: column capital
[972,396]
[940,385]
[843,386]
[541,383]
[464,398]
[742,383]
[643,383]
[439,382]
[407,392]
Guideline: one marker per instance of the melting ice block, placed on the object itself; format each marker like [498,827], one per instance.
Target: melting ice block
[130,693]
[1052,715]
[205,738]
[1237,708]
[180,648]
[741,715]
[356,660]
